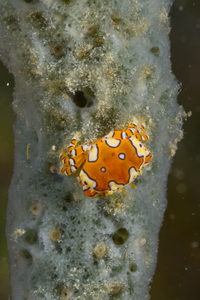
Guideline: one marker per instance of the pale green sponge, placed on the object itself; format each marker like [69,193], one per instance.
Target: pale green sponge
[84,68]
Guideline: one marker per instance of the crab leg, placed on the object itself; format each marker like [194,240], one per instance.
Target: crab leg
[133,129]
[132,185]
[78,157]
[72,164]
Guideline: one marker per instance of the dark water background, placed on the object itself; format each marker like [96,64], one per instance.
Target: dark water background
[177,276]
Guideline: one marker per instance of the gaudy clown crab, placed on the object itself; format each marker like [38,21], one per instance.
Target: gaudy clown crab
[110,163]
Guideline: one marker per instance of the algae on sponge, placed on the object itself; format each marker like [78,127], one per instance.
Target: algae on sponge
[86,68]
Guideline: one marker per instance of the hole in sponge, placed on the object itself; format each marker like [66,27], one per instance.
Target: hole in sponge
[25,254]
[58,248]
[79,99]
[120,236]
[155,51]
[30,236]
[84,98]
[133,267]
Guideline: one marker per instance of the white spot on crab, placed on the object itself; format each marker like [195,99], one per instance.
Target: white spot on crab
[123,135]
[113,143]
[122,156]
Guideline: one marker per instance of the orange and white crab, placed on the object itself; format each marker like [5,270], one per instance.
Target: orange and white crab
[110,163]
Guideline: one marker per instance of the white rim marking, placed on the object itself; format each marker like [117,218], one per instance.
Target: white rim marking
[132,174]
[132,130]
[110,135]
[73,169]
[135,143]
[71,162]
[73,152]
[85,148]
[93,154]
[115,186]
[84,177]
[135,124]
